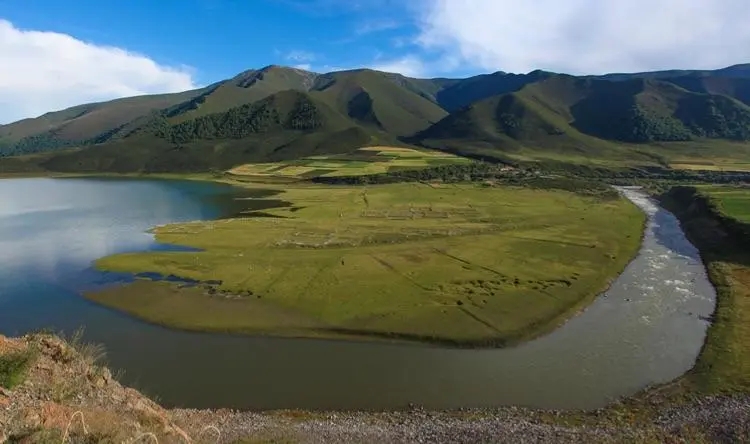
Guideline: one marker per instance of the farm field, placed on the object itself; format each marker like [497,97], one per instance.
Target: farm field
[714,155]
[449,263]
[367,160]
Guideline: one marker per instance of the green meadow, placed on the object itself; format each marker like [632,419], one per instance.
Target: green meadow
[463,264]
[732,201]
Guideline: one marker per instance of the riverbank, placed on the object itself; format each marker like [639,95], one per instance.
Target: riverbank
[724,242]
[427,262]
[62,393]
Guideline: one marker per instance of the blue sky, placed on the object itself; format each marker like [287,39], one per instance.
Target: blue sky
[59,53]
[219,38]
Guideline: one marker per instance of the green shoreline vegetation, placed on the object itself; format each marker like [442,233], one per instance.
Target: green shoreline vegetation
[467,264]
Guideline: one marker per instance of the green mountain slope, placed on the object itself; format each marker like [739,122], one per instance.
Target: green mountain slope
[480,87]
[279,113]
[247,87]
[286,125]
[376,100]
[82,124]
[565,115]
[373,99]
[287,110]
[738,88]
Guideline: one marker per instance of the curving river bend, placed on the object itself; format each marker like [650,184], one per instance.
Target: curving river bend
[648,328]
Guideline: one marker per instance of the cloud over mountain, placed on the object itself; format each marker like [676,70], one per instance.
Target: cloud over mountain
[587,36]
[44,71]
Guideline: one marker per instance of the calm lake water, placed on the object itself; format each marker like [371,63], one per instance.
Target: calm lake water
[648,328]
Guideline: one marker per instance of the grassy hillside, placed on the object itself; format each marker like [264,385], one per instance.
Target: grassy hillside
[153,154]
[288,110]
[467,91]
[82,124]
[279,114]
[574,117]
[738,88]
[283,126]
[247,87]
[375,100]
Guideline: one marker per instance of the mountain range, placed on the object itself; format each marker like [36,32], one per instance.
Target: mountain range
[280,113]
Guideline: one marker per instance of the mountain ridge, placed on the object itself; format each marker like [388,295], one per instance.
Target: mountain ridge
[502,111]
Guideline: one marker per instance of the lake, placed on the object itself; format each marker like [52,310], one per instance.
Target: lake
[648,328]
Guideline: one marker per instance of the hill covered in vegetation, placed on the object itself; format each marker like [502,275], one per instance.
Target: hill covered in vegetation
[590,116]
[278,113]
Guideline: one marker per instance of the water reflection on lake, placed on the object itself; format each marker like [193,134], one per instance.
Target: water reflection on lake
[646,329]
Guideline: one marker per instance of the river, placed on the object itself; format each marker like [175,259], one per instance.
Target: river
[648,328]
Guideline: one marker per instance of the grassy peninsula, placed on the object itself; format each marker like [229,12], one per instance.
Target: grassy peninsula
[463,263]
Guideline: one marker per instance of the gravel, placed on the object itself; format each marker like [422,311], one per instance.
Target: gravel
[714,419]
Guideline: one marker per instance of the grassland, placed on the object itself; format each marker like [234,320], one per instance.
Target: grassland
[452,263]
[733,202]
[367,160]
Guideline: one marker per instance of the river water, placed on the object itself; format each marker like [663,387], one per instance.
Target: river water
[646,329]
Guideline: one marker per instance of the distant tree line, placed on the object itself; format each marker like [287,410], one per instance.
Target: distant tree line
[581,179]
[489,173]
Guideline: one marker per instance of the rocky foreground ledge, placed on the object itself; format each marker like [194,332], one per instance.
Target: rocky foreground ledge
[63,396]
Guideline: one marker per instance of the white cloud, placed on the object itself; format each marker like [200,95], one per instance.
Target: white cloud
[303,66]
[408,65]
[46,71]
[374,26]
[300,56]
[587,36]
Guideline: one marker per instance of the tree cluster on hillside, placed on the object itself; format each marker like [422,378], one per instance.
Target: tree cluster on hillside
[243,121]
[628,123]
[696,115]
[37,144]
[716,117]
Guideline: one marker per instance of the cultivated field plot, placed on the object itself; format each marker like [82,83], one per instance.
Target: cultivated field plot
[717,165]
[368,160]
[457,263]
[713,155]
